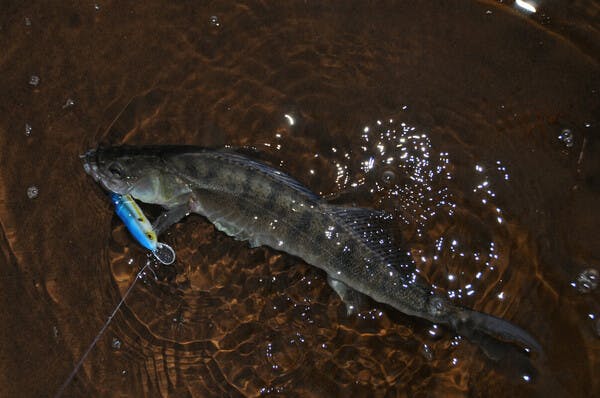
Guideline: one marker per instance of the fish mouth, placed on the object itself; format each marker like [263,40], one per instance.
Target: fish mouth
[90,164]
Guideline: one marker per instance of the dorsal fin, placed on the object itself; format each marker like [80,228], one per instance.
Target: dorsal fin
[237,156]
[374,228]
[234,156]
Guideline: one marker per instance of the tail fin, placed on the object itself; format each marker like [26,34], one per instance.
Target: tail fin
[497,328]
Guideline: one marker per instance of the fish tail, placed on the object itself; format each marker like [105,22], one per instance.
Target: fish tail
[497,328]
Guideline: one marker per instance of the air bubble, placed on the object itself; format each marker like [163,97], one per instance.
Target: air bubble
[587,280]
[33,192]
[435,332]
[566,136]
[427,353]
[214,20]
[69,103]
[28,129]
[34,80]
[116,343]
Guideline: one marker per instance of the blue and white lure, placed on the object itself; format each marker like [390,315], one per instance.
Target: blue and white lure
[138,225]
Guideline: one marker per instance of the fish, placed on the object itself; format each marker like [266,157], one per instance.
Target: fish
[140,228]
[254,202]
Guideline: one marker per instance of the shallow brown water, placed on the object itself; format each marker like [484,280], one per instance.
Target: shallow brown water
[471,99]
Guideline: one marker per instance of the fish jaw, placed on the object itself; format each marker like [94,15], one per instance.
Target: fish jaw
[90,164]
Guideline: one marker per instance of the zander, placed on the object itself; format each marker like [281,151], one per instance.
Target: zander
[251,201]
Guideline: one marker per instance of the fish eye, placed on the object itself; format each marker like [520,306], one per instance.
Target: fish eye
[116,170]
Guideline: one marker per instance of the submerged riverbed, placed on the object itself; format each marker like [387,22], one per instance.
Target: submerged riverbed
[475,124]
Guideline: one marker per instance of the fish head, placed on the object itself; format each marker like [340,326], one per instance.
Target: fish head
[126,170]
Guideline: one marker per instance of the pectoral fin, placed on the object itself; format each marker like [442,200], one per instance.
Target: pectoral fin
[170,217]
[353,300]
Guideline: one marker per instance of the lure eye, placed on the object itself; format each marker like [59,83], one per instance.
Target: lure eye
[116,170]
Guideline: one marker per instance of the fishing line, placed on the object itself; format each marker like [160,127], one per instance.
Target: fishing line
[100,333]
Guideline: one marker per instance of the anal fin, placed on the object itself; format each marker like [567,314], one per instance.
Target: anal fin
[353,300]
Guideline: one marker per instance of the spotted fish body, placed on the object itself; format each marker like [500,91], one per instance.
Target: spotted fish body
[264,207]
[253,202]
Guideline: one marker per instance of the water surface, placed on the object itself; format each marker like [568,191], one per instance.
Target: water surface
[475,124]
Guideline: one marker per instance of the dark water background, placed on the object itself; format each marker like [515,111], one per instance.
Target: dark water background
[474,122]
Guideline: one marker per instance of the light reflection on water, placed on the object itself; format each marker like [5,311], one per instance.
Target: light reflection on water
[400,165]
[457,238]
[397,166]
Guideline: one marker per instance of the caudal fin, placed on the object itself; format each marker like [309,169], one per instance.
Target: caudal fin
[497,328]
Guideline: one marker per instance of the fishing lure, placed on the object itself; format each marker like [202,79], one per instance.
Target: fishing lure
[138,225]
